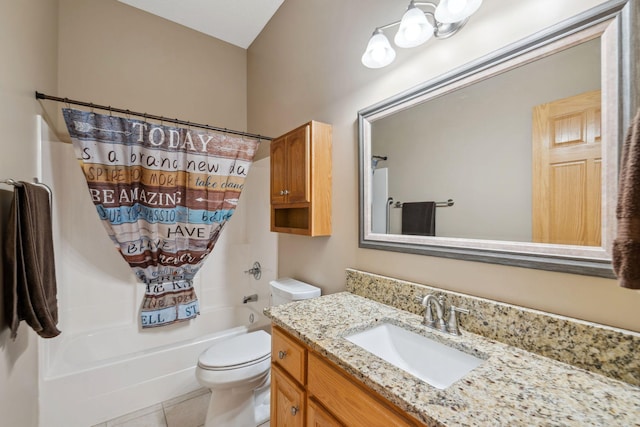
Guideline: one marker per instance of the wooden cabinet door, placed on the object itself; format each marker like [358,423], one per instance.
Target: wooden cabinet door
[350,402]
[298,165]
[317,416]
[278,170]
[287,401]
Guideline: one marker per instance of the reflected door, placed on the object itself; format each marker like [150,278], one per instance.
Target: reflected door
[567,160]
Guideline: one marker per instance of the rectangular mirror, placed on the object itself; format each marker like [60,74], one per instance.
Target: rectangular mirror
[512,159]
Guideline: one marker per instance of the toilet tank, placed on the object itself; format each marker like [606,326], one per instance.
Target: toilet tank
[286,290]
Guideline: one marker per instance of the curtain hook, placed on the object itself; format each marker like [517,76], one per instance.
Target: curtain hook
[161,120]
[91,107]
[145,117]
[66,101]
[128,114]
[110,112]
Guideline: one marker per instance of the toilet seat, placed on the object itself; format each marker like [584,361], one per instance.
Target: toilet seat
[238,352]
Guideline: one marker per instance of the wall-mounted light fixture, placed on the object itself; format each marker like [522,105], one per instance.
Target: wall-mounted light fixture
[417,26]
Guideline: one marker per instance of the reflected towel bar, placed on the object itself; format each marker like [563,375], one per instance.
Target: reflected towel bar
[446,204]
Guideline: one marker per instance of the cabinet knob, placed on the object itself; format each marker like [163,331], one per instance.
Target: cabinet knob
[294,410]
[282,354]
[282,193]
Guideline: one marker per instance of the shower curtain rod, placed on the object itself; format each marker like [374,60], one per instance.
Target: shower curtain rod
[111,109]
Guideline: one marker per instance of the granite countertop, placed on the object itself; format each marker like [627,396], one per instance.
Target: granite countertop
[511,387]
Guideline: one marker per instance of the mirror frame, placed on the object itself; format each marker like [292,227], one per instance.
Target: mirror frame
[616,23]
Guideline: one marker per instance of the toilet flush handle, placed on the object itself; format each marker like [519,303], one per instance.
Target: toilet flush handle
[282,354]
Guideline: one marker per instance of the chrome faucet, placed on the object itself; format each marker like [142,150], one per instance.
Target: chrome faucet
[429,321]
[450,326]
[250,298]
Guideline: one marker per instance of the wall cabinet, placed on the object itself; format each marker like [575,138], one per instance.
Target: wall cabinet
[301,181]
[321,394]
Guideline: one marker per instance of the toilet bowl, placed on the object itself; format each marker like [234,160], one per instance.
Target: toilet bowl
[236,371]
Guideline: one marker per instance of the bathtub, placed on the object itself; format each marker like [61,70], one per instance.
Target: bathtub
[91,378]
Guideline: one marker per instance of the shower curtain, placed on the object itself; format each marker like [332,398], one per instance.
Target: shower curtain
[164,195]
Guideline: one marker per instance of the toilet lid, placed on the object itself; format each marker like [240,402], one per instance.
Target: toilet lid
[236,352]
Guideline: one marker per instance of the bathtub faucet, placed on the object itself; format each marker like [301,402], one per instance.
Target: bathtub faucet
[255,271]
[250,298]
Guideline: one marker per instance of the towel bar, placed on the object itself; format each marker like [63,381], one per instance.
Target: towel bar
[46,187]
[11,182]
[36,181]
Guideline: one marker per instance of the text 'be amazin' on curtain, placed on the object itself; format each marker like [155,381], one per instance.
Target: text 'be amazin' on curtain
[163,194]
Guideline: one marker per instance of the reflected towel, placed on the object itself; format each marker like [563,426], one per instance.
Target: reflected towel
[30,291]
[419,218]
[626,246]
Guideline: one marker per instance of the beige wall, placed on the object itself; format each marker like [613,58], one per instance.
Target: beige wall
[306,65]
[114,54]
[28,45]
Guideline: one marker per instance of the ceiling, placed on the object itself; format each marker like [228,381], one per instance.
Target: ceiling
[235,21]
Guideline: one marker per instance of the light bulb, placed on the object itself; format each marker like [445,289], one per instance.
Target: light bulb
[450,11]
[456,6]
[414,29]
[411,33]
[379,52]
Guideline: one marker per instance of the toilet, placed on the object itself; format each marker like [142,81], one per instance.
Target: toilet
[237,370]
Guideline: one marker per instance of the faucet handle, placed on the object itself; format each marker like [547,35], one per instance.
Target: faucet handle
[452,324]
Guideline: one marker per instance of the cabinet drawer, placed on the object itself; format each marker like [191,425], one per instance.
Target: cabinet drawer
[288,354]
[352,404]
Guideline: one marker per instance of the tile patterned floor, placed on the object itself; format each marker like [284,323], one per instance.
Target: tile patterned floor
[189,410]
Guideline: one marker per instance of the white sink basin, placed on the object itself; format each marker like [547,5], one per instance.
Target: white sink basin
[435,363]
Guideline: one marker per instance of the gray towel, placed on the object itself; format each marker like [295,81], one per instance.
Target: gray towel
[626,246]
[30,291]
[419,218]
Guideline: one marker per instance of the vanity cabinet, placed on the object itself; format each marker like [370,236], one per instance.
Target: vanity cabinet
[301,181]
[330,397]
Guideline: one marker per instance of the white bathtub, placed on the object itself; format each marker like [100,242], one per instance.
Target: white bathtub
[97,376]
